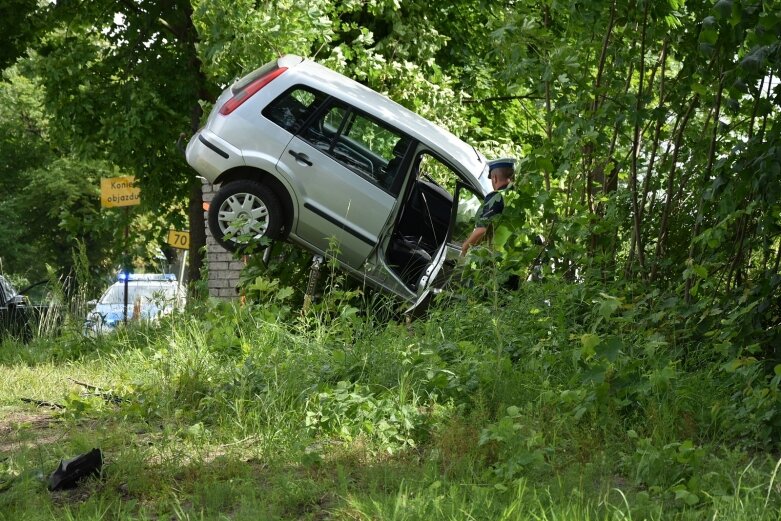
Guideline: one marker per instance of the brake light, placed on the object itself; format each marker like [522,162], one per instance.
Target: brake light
[247,92]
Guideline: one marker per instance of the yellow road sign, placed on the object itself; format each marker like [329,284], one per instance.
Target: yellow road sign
[179,239]
[119,191]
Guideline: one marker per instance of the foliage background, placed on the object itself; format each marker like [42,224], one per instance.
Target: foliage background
[647,360]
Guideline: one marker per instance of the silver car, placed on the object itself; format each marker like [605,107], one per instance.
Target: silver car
[306,154]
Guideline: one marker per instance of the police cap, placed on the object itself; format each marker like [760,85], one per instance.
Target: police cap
[505,162]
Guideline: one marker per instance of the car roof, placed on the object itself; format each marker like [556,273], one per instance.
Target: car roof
[146,283]
[437,138]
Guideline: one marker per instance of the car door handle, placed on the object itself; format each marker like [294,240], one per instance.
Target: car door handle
[301,157]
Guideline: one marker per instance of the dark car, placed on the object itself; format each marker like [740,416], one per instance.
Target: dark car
[18,317]
[14,311]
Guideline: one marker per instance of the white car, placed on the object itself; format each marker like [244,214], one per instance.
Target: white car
[306,154]
[149,296]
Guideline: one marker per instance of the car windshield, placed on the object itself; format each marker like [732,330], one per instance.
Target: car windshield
[6,288]
[135,292]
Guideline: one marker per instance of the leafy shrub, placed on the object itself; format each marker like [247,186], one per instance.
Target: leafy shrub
[518,447]
[350,410]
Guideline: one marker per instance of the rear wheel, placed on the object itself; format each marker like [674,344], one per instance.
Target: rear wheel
[242,213]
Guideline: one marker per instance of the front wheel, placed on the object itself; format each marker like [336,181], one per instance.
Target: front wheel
[242,213]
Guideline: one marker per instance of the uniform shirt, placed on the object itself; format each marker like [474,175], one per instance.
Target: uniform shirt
[491,207]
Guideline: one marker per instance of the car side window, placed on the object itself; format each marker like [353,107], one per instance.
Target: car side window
[323,131]
[291,110]
[361,143]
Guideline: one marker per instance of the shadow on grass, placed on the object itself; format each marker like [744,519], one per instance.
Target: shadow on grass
[159,472]
[71,345]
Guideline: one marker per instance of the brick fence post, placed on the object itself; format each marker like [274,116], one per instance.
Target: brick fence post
[223,268]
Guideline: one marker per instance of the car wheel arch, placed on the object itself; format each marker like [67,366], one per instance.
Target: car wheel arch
[272,182]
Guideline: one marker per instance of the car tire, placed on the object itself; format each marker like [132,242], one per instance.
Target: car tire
[257,207]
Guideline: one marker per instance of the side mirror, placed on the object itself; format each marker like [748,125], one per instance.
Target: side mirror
[93,302]
[17,301]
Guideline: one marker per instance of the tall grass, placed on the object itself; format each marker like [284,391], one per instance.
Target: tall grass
[488,409]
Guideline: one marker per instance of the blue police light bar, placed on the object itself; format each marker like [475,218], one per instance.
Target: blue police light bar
[146,276]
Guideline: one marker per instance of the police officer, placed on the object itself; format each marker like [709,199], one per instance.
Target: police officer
[500,172]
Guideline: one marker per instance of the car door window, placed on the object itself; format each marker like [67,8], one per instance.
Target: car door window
[466,213]
[322,133]
[291,110]
[362,144]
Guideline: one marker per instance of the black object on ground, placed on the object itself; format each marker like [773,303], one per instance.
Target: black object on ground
[71,471]
[107,395]
[42,403]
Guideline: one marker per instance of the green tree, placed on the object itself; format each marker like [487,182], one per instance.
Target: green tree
[123,82]
[52,197]
[18,28]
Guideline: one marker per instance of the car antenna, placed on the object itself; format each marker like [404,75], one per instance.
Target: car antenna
[477,153]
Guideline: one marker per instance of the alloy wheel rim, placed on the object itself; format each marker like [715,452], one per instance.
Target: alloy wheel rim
[243,214]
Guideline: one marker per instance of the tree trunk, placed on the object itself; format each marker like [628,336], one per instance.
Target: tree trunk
[670,186]
[637,218]
[195,206]
[705,177]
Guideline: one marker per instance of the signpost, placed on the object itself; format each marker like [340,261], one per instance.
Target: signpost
[180,240]
[118,192]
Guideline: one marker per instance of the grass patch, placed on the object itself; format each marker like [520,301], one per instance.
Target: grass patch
[522,410]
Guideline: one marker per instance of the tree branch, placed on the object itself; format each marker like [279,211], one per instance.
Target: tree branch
[501,98]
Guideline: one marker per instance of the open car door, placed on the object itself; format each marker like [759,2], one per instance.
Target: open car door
[445,262]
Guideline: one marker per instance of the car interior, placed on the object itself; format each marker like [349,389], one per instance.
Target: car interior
[421,228]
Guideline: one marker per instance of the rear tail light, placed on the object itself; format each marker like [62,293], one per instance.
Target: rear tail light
[251,88]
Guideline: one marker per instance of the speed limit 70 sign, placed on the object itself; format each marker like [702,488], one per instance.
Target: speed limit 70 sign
[179,239]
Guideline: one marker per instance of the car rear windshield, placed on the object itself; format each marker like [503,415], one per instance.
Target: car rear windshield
[254,75]
[6,288]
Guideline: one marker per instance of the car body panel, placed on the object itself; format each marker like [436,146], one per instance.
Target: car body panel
[14,313]
[211,155]
[335,203]
[18,316]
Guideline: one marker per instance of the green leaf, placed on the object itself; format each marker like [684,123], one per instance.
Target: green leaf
[608,305]
[284,293]
[723,9]
[501,235]
[589,341]
[682,494]
[610,348]
[661,378]
[595,375]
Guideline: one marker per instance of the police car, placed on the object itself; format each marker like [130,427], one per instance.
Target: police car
[149,296]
